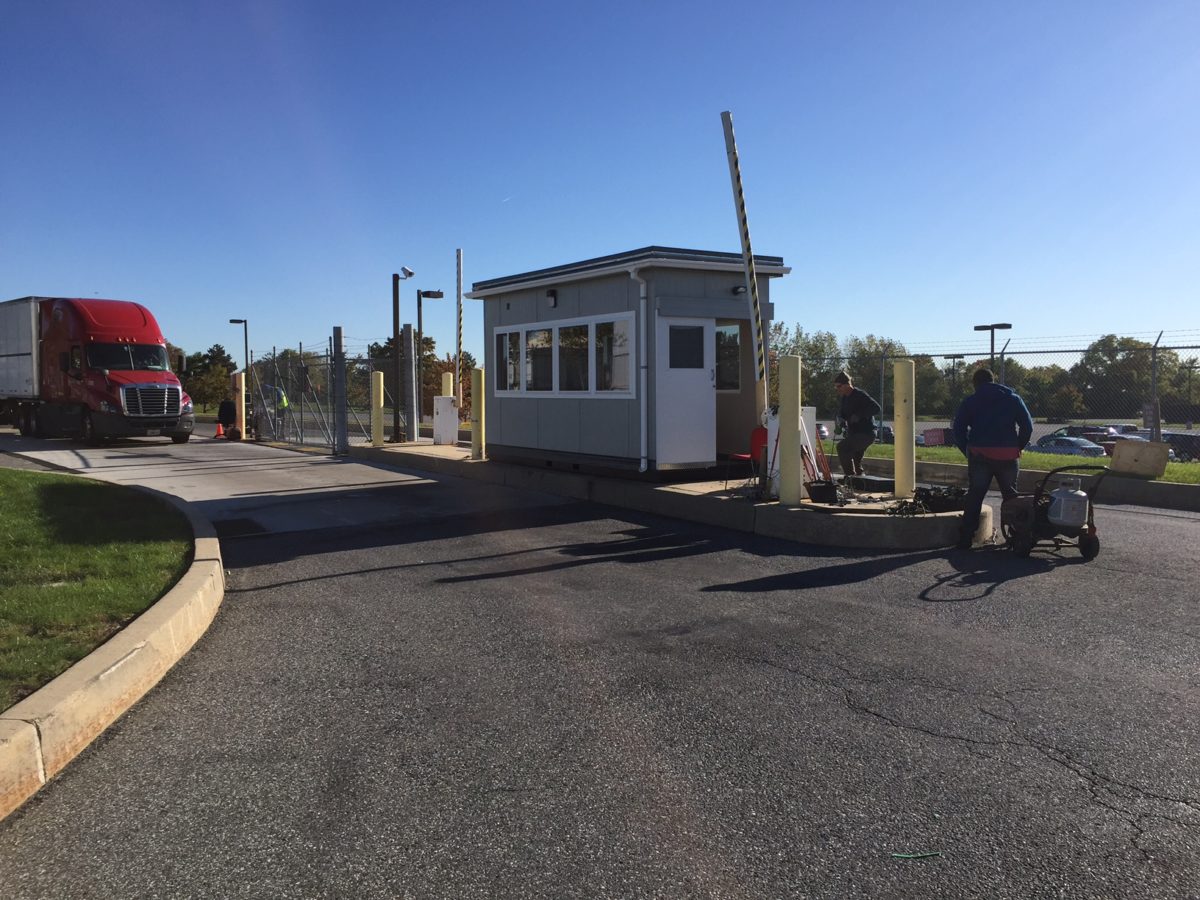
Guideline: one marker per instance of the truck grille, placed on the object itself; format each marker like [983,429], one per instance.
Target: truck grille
[152,400]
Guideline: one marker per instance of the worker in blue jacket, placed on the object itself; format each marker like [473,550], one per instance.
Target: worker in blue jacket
[991,428]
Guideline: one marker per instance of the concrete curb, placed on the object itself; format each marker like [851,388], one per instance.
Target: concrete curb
[820,525]
[49,728]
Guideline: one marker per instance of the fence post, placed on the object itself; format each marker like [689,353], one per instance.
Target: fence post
[1156,424]
[341,443]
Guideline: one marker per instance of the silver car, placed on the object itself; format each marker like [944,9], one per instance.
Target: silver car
[1071,446]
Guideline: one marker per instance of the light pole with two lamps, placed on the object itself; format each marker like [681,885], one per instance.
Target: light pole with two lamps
[241,401]
[404,274]
[993,328]
[245,323]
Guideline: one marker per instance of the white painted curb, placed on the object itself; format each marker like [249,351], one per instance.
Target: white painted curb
[49,728]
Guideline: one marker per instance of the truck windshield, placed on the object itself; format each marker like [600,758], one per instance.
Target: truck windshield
[127,357]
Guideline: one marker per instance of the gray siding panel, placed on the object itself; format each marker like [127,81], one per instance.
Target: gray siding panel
[609,428]
[558,426]
[712,308]
[517,418]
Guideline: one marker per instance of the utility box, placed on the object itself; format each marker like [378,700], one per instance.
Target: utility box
[1140,459]
[445,420]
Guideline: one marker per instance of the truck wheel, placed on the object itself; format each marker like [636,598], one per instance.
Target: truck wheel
[87,430]
[180,438]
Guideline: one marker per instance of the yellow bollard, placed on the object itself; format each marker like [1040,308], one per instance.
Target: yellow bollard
[477,413]
[905,427]
[447,384]
[376,409]
[791,467]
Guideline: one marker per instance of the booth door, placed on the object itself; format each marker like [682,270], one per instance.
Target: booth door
[685,431]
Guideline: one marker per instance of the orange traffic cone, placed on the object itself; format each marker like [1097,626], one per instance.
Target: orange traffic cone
[220,431]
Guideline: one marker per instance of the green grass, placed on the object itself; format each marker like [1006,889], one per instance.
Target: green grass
[78,560]
[1177,472]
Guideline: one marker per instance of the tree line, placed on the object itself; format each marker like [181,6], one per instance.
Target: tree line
[1111,379]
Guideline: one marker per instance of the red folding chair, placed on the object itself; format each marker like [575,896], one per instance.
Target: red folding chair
[758,443]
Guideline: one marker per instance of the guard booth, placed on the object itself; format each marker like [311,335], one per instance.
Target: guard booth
[641,360]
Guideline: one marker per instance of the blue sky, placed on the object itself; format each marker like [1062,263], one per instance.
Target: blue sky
[922,167]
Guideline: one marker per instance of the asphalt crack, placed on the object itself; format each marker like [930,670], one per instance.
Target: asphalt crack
[1124,800]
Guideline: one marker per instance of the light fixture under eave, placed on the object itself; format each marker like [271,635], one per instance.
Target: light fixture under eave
[552,297]
[739,290]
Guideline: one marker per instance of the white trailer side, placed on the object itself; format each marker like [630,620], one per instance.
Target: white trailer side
[19,349]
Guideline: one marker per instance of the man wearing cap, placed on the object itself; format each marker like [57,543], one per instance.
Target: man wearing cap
[991,428]
[857,411]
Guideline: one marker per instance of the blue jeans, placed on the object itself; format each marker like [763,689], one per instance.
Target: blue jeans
[980,472]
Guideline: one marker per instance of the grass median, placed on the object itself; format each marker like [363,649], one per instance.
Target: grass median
[78,560]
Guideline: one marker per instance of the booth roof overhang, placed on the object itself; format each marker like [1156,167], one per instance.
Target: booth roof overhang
[646,257]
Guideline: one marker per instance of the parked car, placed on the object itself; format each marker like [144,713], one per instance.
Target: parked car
[1093,433]
[822,431]
[1071,446]
[886,435]
[1186,444]
[920,439]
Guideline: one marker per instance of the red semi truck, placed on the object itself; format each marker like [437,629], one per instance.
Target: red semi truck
[91,369]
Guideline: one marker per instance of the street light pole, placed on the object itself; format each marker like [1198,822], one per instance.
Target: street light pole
[432,295]
[245,323]
[993,328]
[404,273]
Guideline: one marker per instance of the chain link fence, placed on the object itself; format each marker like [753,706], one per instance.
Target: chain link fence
[1111,381]
[293,398]
[1094,385]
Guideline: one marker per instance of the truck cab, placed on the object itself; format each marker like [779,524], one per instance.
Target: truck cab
[103,372]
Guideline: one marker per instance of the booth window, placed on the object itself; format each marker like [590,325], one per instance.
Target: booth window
[729,356]
[570,358]
[508,361]
[612,355]
[539,359]
[686,347]
[573,358]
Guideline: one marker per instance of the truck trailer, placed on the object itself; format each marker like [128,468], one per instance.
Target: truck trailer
[91,369]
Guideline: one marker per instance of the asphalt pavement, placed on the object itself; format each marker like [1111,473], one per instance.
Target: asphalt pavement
[425,687]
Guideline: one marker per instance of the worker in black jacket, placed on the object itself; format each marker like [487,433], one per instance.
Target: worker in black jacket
[856,412]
